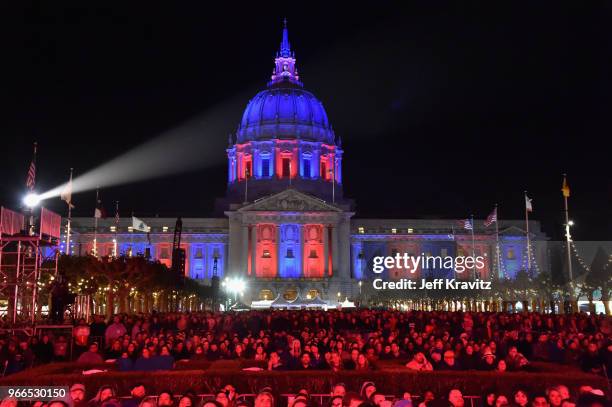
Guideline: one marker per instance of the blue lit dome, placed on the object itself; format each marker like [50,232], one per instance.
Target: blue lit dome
[285,110]
[285,113]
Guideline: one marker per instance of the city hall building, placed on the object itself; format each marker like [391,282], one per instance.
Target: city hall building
[286,228]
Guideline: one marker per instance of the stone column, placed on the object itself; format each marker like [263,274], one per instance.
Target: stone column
[278,251]
[253,250]
[326,272]
[301,255]
[334,250]
[245,249]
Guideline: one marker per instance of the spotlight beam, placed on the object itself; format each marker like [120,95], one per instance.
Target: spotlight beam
[193,145]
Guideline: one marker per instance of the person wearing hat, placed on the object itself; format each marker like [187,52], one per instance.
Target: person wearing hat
[77,395]
[487,362]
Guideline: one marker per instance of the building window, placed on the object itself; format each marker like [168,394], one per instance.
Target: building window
[216,253]
[410,230]
[130,229]
[164,253]
[444,252]
[312,294]
[286,167]
[266,254]
[113,228]
[164,228]
[289,254]
[394,230]
[248,168]
[361,230]
[324,174]
[307,168]
[266,294]
[291,294]
[510,255]
[198,253]
[394,252]
[265,167]
[313,254]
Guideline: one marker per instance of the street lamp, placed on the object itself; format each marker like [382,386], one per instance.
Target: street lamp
[339,294]
[571,223]
[360,284]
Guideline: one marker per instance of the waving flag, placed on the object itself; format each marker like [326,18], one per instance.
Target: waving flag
[528,205]
[66,194]
[99,212]
[492,218]
[31,180]
[565,189]
[138,224]
[466,224]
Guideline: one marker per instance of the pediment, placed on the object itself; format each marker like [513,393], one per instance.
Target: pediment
[290,200]
[512,231]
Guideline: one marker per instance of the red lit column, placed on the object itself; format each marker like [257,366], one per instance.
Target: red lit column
[250,251]
[330,239]
[326,253]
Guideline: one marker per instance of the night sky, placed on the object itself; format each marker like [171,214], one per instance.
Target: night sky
[444,109]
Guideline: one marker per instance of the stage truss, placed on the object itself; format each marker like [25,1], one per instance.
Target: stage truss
[24,248]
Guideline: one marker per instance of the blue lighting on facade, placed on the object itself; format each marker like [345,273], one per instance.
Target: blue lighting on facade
[290,256]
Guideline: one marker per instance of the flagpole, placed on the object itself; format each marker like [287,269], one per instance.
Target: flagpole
[497,242]
[116,228]
[30,186]
[246,184]
[473,246]
[527,234]
[95,240]
[69,215]
[334,179]
[568,238]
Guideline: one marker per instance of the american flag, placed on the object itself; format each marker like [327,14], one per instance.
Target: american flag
[491,218]
[117,213]
[31,180]
[466,224]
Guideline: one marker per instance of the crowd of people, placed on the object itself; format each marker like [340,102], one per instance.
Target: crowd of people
[340,396]
[335,340]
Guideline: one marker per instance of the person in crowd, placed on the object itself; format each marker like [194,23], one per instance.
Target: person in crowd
[488,361]
[488,398]
[553,396]
[104,394]
[520,398]
[352,399]
[367,389]
[428,396]
[148,402]
[338,389]
[419,363]
[114,331]
[91,356]
[138,393]
[449,362]
[539,400]
[501,401]
[264,398]
[77,395]
[165,399]
[455,398]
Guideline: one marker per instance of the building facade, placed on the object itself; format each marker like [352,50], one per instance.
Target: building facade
[287,230]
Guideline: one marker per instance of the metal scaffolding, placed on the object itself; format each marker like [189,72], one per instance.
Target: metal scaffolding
[23,251]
